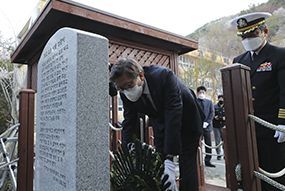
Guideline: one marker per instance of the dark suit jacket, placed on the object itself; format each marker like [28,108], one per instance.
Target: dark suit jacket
[209,113]
[176,107]
[268,85]
[220,112]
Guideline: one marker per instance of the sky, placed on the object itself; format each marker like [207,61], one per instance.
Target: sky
[181,17]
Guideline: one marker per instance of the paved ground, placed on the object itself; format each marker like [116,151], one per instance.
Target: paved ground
[214,176]
[217,175]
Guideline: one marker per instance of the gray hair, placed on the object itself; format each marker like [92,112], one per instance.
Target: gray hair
[263,26]
[125,66]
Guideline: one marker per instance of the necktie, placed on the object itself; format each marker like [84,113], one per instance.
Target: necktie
[149,106]
[254,56]
[202,104]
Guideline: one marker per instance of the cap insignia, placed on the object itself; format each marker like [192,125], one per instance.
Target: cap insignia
[242,23]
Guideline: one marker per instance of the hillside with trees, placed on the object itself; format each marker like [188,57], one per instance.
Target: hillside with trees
[219,36]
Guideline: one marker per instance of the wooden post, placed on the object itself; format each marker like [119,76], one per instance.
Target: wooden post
[25,174]
[241,140]
[200,168]
[228,183]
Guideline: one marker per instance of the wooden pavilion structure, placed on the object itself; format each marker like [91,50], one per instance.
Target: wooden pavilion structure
[127,38]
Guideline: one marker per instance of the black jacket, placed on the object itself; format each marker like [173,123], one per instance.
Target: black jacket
[176,107]
[268,85]
[220,112]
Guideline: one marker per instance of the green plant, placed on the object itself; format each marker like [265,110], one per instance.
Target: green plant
[7,185]
[138,168]
[6,83]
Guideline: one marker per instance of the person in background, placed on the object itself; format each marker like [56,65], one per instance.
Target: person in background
[219,123]
[267,75]
[173,112]
[208,109]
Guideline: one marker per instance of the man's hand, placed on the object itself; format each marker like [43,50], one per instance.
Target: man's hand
[280,135]
[217,117]
[169,168]
[205,125]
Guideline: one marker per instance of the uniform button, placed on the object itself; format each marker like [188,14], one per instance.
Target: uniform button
[253,87]
[253,99]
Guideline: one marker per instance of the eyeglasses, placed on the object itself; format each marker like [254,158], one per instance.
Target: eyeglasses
[128,86]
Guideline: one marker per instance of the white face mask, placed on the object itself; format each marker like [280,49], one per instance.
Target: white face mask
[134,93]
[252,43]
[201,96]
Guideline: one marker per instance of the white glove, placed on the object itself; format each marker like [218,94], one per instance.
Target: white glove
[169,168]
[280,135]
[205,125]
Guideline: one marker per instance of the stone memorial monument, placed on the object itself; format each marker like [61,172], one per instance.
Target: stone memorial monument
[72,135]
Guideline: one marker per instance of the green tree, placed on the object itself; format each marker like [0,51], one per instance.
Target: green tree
[203,70]
[187,72]
[6,83]
[219,38]
[277,2]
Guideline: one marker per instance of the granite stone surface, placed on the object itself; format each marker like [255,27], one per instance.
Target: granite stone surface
[72,135]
